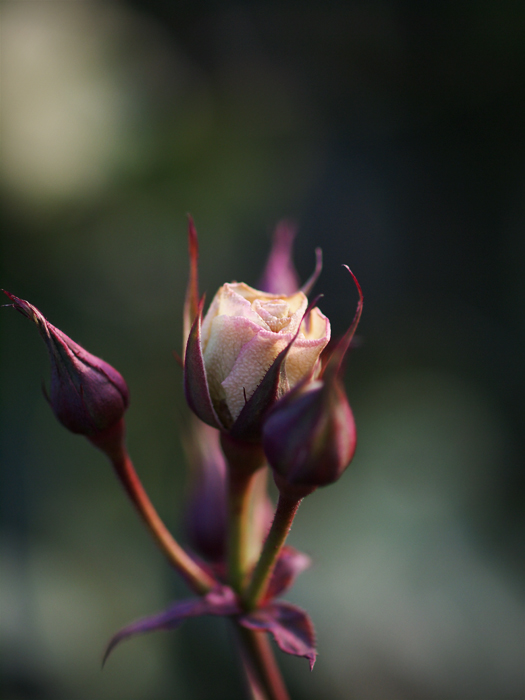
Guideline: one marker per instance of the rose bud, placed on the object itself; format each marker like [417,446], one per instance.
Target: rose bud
[87,395]
[232,359]
[309,436]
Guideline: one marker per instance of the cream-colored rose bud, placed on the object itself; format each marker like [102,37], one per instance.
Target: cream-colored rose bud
[242,334]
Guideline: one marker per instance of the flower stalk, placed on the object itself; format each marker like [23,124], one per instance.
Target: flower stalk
[285,512]
[112,444]
[239,506]
[262,671]
[244,461]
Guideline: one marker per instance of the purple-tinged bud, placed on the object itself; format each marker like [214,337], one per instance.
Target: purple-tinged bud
[309,436]
[205,514]
[87,395]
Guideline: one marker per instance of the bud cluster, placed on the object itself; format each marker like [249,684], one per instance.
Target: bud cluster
[267,396]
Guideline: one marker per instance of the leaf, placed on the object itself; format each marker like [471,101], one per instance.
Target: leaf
[290,626]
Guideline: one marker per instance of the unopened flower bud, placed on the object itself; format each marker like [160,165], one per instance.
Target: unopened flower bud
[87,395]
[252,346]
[309,437]
[243,333]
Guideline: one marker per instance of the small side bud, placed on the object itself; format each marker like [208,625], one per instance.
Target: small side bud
[309,437]
[87,395]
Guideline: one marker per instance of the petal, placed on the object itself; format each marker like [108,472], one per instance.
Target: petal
[228,335]
[303,357]
[252,363]
[236,300]
[208,318]
[273,385]
[290,626]
[316,325]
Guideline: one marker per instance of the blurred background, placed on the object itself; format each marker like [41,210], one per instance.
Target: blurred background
[392,132]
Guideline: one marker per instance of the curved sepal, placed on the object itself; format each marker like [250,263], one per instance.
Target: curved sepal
[280,275]
[220,601]
[290,626]
[290,564]
[333,366]
[191,301]
[309,284]
[195,381]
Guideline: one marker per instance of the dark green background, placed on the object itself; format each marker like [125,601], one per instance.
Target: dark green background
[393,133]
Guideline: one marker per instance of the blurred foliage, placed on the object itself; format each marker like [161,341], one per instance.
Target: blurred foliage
[393,133]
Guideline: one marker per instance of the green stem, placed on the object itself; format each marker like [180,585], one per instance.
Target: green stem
[263,675]
[282,522]
[240,496]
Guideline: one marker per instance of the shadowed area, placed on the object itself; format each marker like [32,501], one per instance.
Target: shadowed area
[391,133]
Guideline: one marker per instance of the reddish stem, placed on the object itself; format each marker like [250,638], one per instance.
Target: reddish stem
[196,577]
[263,675]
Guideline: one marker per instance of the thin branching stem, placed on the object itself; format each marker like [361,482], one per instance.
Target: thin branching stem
[196,577]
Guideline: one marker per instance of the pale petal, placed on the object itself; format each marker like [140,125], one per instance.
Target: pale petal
[316,325]
[297,313]
[251,294]
[208,318]
[302,357]
[251,365]
[227,302]
[274,313]
[227,337]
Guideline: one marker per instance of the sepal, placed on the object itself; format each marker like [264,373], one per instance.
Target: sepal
[280,275]
[219,601]
[289,625]
[195,381]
